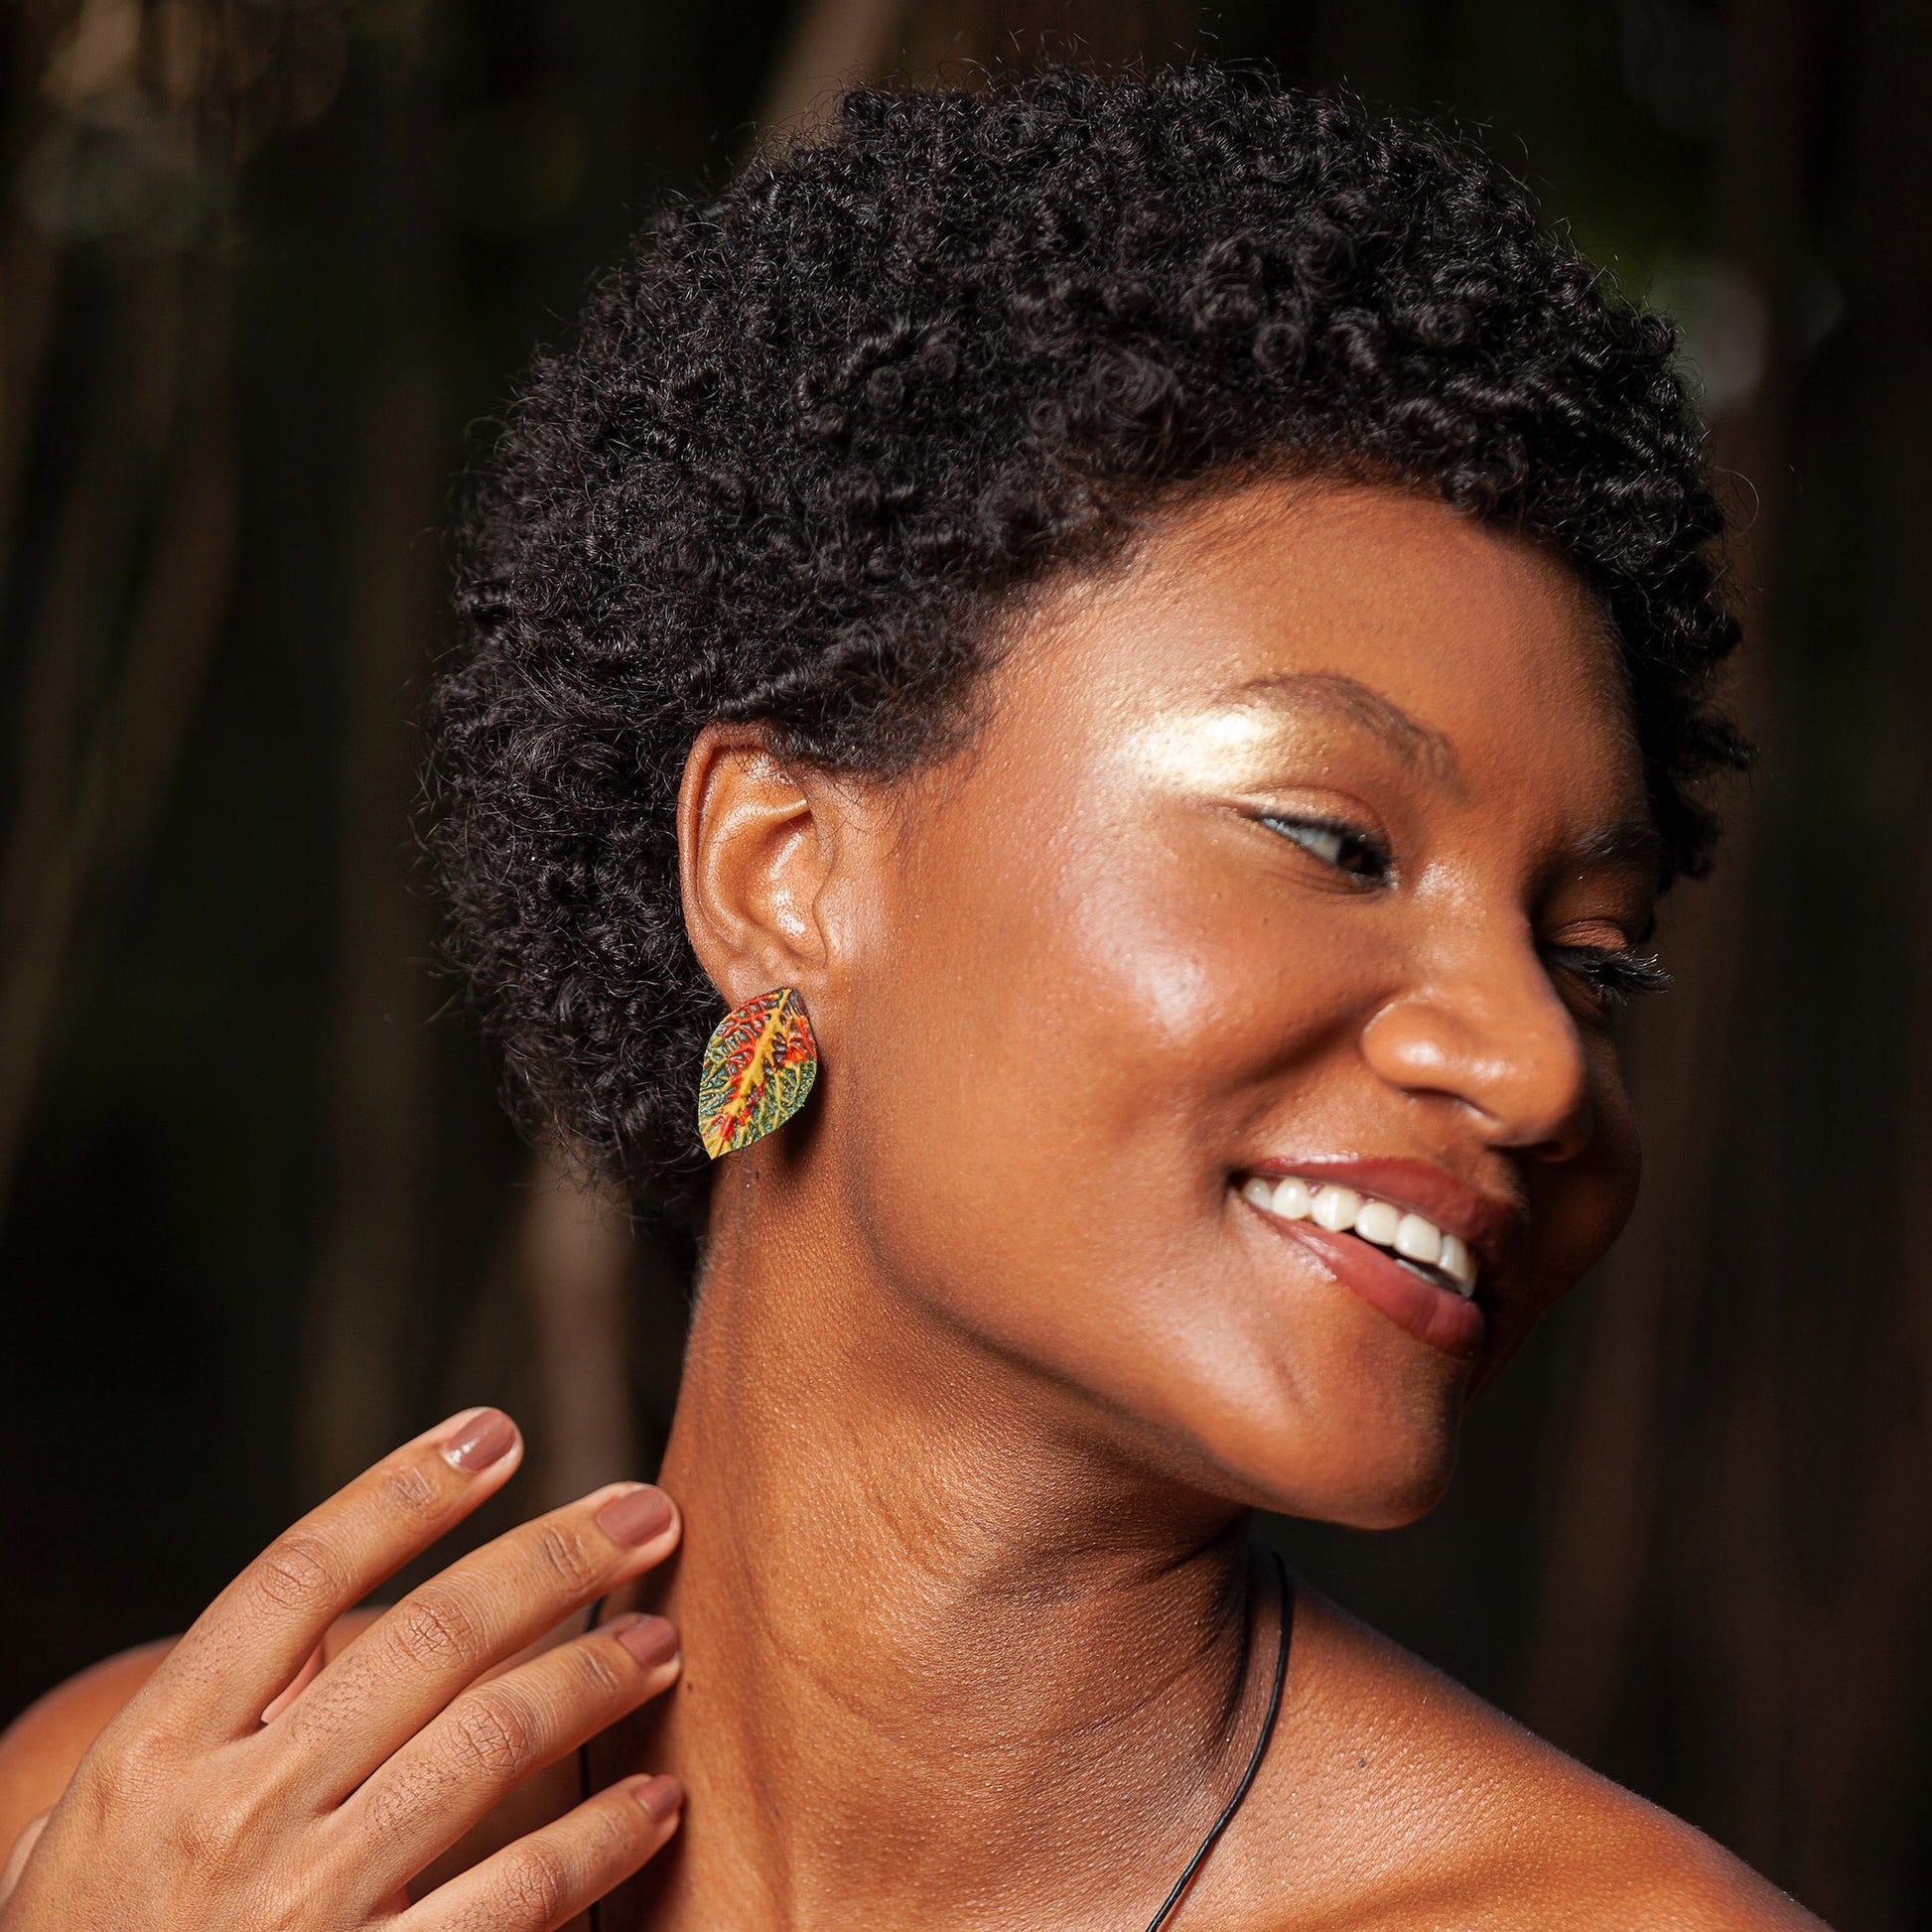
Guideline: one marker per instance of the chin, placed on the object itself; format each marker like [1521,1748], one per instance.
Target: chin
[1371,1466]
[1388,1494]
[1393,1503]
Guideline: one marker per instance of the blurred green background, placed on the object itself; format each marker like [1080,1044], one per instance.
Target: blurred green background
[266,264]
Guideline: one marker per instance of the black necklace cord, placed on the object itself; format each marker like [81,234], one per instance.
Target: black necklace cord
[1171,1903]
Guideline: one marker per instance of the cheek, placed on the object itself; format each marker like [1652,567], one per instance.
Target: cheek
[1577,1209]
[1056,1059]
[1599,1192]
[1113,997]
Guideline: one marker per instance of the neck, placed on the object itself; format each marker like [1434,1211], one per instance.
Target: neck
[950,1657]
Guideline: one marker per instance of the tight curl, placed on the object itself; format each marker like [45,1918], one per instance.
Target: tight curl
[813,438]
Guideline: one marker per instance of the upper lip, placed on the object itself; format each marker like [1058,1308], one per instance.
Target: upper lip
[1489,1226]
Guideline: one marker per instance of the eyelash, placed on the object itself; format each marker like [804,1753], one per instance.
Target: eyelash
[1614,975]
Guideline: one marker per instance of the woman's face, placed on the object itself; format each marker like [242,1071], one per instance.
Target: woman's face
[1290,855]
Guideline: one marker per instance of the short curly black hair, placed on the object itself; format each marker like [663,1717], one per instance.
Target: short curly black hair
[814,437]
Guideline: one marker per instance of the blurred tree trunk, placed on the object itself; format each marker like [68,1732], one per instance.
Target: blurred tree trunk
[363,1337]
[1685,1054]
[580,1269]
[833,44]
[1737,1436]
[68,659]
[113,611]
[29,274]
[1746,1467]
[1856,1678]
[1023,32]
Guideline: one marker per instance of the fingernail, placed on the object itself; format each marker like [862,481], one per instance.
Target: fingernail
[653,1640]
[660,1796]
[486,1438]
[637,1516]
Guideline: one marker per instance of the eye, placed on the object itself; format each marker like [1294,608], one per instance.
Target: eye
[1613,976]
[1345,847]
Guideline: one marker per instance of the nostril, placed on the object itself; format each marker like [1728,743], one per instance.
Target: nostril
[1568,1137]
[1540,1105]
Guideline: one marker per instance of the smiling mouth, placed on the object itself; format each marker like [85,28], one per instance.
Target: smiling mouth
[1441,1259]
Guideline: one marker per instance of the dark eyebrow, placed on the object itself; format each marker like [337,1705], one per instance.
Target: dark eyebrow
[1632,842]
[1416,744]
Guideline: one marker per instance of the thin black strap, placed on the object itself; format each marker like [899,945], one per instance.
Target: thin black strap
[591,1621]
[1214,1831]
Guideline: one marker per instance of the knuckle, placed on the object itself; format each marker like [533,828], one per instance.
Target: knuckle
[625,1834]
[409,1491]
[438,1626]
[537,1881]
[212,1836]
[108,1780]
[298,1570]
[397,1801]
[495,1734]
[329,1707]
[568,1555]
[598,1675]
[392,1810]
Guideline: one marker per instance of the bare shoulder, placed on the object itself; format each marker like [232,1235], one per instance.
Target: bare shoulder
[41,1747]
[1412,1803]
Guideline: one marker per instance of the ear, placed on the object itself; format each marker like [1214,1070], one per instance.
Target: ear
[758,838]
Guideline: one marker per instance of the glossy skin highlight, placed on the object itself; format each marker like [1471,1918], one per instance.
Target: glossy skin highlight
[1306,842]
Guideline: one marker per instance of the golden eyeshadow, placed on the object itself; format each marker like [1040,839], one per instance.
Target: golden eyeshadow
[1240,746]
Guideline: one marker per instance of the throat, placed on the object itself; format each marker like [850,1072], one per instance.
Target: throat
[944,1664]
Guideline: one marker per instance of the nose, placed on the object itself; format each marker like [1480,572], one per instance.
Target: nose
[1496,1036]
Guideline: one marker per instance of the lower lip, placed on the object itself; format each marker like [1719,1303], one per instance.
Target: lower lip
[1449,1322]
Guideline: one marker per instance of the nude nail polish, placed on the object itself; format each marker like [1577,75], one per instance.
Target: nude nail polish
[653,1640]
[660,1796]
[486,1438]
[637,1516]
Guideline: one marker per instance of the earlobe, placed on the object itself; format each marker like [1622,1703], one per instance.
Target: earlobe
[753,856]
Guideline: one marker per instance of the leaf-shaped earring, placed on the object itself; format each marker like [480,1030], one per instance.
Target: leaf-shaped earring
[759,1069]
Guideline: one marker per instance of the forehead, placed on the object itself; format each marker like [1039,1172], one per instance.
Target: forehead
[1376,612]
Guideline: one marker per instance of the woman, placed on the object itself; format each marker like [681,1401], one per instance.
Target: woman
[1158,639]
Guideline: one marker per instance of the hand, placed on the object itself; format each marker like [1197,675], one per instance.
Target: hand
[248,1788]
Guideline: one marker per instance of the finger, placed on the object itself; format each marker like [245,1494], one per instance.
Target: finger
[496,1734]
[311,1668]
[409,1664]
[248,1644]
[30,1835]
[544,1880]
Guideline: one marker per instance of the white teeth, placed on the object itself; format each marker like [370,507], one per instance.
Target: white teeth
[1336,1209]
[1377,1221]
[1292,1199]
[1419,1240]
[1457,1264]
[1342,1209]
